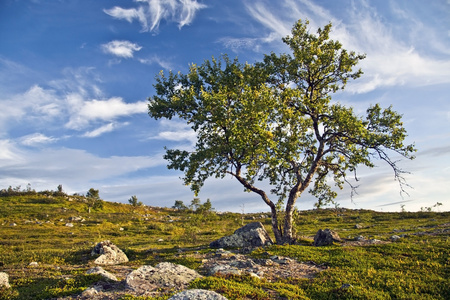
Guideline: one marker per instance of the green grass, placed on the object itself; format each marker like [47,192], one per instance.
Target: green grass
[415,267]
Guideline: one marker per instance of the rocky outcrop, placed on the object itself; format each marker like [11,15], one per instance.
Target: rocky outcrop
[4,280]
[166,275]
[197,294]
[251,235]
[326,237]
[109,254]
[270,268]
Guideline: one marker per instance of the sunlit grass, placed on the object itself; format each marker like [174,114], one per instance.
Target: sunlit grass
[415,267]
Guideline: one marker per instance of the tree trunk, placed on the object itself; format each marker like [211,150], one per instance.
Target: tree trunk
[276,230]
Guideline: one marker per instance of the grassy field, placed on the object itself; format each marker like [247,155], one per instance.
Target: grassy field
[33,229]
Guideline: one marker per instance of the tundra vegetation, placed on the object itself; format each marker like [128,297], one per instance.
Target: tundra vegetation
[32,226]
[274,123]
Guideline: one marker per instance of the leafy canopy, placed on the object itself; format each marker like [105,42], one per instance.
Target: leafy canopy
[274,120]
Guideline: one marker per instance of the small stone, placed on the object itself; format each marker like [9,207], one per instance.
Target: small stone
[395,238]
[346,286]
[360,238]
[90,292]
[69,225]
[4,280]
[33,264]
[358,226]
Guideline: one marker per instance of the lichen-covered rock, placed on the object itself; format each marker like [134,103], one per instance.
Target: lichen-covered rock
[197,294]
[326,237]
[251,235]
[103,273]
[4,280]
[109,253]
[163,275]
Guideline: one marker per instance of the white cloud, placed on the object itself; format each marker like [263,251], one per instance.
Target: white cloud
[175,131]
[159,61]
[99,131]
[392,58]
[269,19]
[127,14]
[123,49]
[85,112]
[37,105]
[9,154]
[36,139]
[47,168]
[152,12]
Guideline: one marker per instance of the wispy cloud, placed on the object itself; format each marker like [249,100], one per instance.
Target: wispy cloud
[36,139]
[150,13]
[104,129]
[392,58]
[163,63]
[123,49]
[263,14]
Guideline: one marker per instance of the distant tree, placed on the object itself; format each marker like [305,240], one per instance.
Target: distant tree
[195,204]
[134,201]
[179,205]
[93,200]
[205,207]
[274,121]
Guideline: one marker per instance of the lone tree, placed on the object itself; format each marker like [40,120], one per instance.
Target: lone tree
[274,121]
[93,200]
[134,201]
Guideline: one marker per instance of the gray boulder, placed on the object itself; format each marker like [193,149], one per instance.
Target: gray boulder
[4,280]
[197,294]
[109,254]
[105,274]
[326,237]
[163,275]
[251,235]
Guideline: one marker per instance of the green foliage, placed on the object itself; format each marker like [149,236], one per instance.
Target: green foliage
[134,201]
[179,205]
[93,200]
[274,121]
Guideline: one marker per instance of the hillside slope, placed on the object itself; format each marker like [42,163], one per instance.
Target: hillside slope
[58,233]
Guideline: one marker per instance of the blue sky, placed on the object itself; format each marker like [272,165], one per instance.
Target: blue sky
[75,76]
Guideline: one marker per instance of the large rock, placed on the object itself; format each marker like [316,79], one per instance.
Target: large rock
[326,237]
[163,275]
[251,235]
[4,280]
[109,253]
[105,274]
[197,294]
